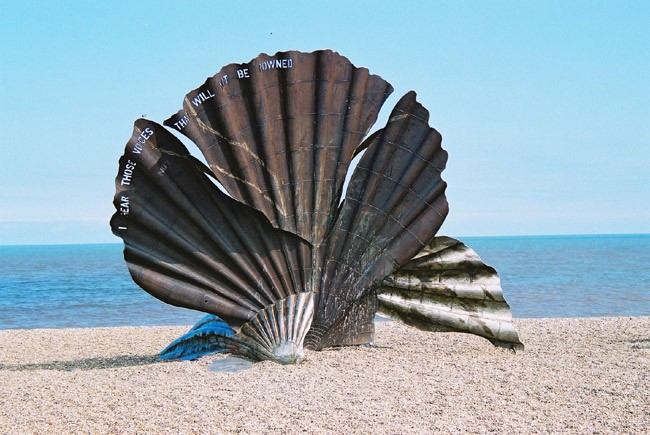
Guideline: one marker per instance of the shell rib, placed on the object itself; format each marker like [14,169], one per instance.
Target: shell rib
[277,332]
[280,132]
[394,205]
[447,287]
[190,245]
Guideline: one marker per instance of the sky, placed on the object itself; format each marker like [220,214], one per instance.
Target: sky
[544,107]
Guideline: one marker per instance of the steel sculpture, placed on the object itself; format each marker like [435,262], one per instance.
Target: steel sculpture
[280,262]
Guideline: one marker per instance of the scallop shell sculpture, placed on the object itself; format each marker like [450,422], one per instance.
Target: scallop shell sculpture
[281,262]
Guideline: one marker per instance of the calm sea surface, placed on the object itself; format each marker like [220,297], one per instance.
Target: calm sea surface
[551,276]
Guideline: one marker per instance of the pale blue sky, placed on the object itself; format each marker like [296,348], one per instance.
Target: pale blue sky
[544,107]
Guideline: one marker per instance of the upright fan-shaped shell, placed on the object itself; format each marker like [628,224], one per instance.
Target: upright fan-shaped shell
[190,245]
[395,204]
[280,132]
[277,332]
[280,259]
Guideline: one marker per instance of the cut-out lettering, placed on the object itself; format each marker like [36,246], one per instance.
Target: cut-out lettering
[141,140]
[127,173]
[202,97]
[276,63]
[182,123]
[124,205]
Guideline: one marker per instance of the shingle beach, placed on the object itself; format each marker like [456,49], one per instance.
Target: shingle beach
[588,375]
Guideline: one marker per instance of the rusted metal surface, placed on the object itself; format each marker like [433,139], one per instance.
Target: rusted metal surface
[394,205]
[190,245]
[279,134]
[447,287]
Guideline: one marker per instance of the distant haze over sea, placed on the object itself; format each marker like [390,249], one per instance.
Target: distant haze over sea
[57,286]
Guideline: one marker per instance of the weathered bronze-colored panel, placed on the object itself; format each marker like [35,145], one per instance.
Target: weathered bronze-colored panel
[394,205]
[446,287]
[280,132]
[193,246]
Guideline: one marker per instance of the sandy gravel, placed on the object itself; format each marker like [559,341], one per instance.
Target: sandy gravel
[576,376]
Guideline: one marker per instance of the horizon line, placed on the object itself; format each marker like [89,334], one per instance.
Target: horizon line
[460,238]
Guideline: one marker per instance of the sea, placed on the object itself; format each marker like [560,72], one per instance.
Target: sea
[66,286]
